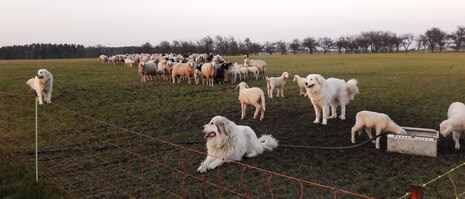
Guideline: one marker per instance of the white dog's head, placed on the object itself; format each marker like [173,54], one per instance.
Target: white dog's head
[445,128]
[218,128]
[314,80]
[43,74]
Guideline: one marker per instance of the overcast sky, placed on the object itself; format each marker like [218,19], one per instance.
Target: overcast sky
[133,22]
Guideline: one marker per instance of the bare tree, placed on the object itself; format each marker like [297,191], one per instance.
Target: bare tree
[206,44]
[221,45]
[233,46]
[459,37]
[295,46]
[270,47]
[435,37]
[341,43]
[407,40]
[310,44]
[326,44]
[165,47]
[282,47]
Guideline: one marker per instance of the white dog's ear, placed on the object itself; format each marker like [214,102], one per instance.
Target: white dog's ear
[223,128]
[319,79]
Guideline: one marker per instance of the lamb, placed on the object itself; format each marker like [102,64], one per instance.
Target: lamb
[129,62]
[455,122]
[233,74]
[260,64]
[244,71]
[147,69]
[278,83]
[197,76]
[183,70]
[253,96]
[252,70]
[301,83]
[380,121]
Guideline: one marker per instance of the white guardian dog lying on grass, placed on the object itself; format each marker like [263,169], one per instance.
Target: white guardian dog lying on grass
[379,121]
[455,123]
[227,141]
[332,92]
[42,83]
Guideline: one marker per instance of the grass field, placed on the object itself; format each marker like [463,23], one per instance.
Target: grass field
[414,89]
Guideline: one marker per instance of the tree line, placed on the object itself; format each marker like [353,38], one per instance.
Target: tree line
[433,39]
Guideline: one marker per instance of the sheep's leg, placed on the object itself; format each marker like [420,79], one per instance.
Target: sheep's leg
[368,131]
[282,92]
[325,114]
[456,137]
[355,128]
[378,132]
[243,109]
[317,113]
[263,113]
[257,110]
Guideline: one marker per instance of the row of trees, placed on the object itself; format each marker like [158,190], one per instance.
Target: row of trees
[365,42]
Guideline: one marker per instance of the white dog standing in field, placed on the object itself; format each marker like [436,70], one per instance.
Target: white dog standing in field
[227,141]
[42,83]
[301,83]
[455,123]
[331,92]
[253,96]
[278,83]
[379,121]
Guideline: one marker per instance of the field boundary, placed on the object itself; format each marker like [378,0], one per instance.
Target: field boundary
[108,148]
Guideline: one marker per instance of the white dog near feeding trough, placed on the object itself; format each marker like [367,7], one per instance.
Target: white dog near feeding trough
[333,92]
[379,121]
[455,123]
[42,83]
[227,141]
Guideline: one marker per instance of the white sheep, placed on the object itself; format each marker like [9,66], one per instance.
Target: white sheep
[244,71]
[252,70]
[147,69]
[380,121]
[197,76]
[278,83]
[129,62]
[233,73]
[253,96]
[260,64]
[183,70]
[455,123]
[301,83]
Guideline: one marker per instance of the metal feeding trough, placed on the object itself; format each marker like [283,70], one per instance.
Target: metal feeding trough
[418,141]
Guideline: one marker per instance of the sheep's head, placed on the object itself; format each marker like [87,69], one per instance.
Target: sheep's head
[241,86]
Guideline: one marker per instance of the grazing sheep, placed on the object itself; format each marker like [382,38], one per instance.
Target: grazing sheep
[183,70]
[455,123]
[261,65]
[197,76]
[244,71]
[103,59]
[233,74]
[380,121]
[278,83]
[147,69]
[129,62]
[301,83]
[253,96]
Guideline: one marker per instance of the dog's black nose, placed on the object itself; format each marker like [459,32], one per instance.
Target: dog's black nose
[201,128]
[306,84]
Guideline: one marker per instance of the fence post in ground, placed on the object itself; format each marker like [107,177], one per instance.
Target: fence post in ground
[416,192]
[37,143]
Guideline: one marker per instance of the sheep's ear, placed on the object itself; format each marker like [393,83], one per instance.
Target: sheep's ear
[237,86]
[246,86]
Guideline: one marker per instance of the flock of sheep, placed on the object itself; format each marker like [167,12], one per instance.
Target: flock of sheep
[326,95]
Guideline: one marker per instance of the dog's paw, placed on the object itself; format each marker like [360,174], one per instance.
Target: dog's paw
[332,117]
[373,141]
[202,169]
[316,121]
[342,117]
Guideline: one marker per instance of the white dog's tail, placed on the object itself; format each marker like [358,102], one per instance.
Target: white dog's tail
[268,142]
[352,88]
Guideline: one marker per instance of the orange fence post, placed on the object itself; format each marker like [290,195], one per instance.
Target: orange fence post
[416,192]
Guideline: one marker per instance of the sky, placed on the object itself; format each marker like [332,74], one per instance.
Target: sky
[134,22]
